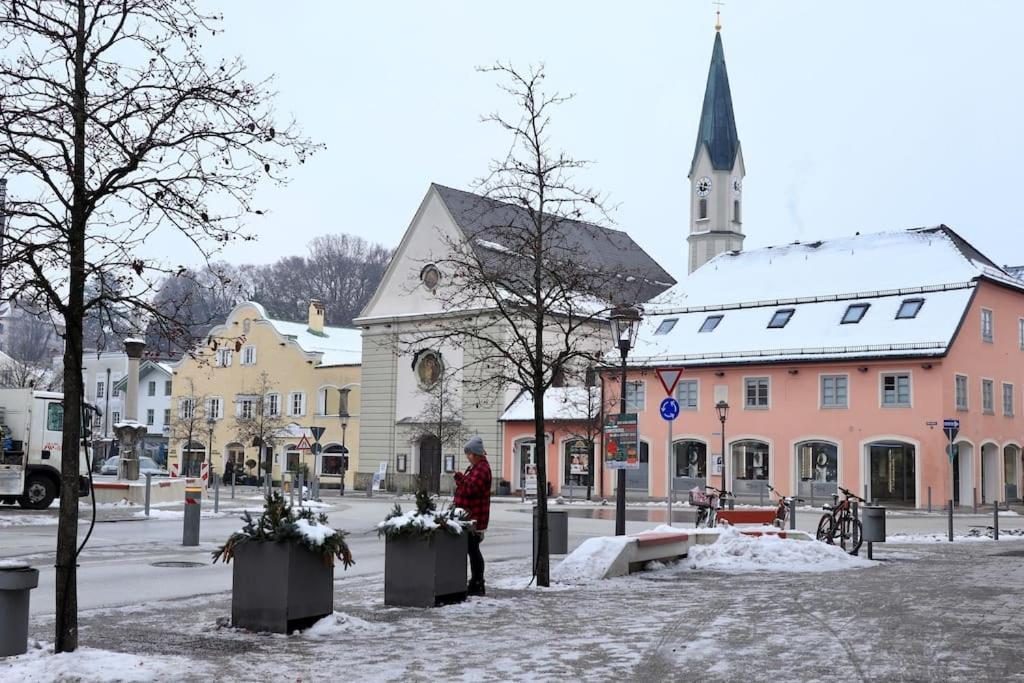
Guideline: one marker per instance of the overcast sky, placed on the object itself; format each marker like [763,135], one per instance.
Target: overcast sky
[861,116]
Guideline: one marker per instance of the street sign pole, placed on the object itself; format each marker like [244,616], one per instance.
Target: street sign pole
[668,471]
[951,428]
[669,410]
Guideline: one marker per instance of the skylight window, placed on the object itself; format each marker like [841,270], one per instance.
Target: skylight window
[854,313]
[781,317]
[909,308]
[710,323]
[666,325]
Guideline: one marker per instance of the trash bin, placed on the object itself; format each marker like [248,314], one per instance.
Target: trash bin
[17,578]
[558,532]
[873,524]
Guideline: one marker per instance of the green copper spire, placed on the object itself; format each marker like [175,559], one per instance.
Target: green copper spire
[717,122]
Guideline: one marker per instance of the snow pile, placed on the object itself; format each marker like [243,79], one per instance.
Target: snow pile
[314,533]
[737,552]
[13,564]
[339,624]
[41,665]
[591,560]
[28,520]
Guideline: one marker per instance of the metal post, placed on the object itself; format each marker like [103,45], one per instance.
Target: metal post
[867,498]
[870,554]
[620,474]
[974,503]
[792,513]
[149,480]
[369,488]
[929,499]
[952,493]
[216,493]
[193,513]
[761,493]
[668,472]
[995,521]
[234,477]
[854,508]
[950,520]
[302,486]
[291,487]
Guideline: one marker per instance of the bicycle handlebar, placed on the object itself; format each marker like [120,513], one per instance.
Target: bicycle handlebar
[851,494]
[723,493]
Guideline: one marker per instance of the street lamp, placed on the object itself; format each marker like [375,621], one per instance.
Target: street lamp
[209,445]
[722,408]
[624,326]
[343,418]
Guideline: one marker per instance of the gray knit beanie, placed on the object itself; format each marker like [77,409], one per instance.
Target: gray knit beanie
[475,446]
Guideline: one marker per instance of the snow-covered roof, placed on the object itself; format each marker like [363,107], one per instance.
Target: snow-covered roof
[859,263]
[145,368]
[339,345]
[819,282]
[560,403]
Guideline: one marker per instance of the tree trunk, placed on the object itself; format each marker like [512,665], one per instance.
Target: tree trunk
[66,624]
[543,568]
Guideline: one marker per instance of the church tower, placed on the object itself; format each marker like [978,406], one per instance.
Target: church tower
[716,172]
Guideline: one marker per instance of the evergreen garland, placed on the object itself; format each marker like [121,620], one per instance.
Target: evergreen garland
[278,523]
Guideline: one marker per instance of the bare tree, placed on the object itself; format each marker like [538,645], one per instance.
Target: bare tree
[440,415]
[29,342]
[116,129]
[588,410]
[259,420]
[529,283]
[189,423]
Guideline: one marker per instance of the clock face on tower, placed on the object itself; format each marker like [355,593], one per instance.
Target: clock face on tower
[703,186]
[737,185]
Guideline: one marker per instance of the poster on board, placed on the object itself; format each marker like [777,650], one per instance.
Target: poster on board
[622,442]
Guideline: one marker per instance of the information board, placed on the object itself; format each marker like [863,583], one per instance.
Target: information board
[622,442]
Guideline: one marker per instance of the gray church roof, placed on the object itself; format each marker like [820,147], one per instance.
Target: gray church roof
[717,122]
[490,226]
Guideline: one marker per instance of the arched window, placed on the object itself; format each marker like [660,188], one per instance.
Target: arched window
[750,460]
[691,458]
[577,455]
[817,470]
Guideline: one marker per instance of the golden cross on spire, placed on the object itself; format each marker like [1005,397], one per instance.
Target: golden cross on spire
[718,14]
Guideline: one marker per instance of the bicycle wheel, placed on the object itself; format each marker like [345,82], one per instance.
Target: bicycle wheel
[856,536]
[825,526]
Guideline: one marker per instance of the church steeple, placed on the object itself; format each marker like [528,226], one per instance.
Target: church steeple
[716,170]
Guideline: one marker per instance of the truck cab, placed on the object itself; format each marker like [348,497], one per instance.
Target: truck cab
[30,460]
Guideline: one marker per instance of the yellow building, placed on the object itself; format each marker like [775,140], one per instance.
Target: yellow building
[254,389]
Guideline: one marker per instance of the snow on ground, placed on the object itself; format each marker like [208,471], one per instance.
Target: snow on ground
[41,665]
[737,552]
[29,520]
[341,624]
[590,560]
[975,534]
[180,514]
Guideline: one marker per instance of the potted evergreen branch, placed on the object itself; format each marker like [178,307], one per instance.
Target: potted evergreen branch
[283,578]
[425,554]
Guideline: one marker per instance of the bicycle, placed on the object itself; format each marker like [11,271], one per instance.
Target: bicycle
[839,523]
[707,505]
[782,511]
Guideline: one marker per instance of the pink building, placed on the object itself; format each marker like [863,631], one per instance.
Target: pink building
[839,361]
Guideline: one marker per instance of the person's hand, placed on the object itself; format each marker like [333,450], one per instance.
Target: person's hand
[459,476]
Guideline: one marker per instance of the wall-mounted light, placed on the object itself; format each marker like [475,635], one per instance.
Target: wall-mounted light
[794,371]
[926,366]
[719,373]
[862,369]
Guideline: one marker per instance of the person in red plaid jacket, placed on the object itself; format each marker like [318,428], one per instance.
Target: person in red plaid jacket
[473,494]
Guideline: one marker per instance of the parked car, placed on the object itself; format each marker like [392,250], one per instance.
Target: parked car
[146,466]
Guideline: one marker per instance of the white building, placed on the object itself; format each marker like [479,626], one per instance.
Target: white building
[153,408]
[100,372]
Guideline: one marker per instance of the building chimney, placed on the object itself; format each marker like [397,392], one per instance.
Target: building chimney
[133,348]
[316,316]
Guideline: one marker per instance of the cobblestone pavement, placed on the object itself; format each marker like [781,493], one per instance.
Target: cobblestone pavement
[925,613]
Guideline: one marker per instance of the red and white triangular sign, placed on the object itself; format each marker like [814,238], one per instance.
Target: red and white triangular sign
[303,444]
[669,378]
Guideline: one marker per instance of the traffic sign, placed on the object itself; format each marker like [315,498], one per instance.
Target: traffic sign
[303,444]
[951,428]
[669,409]
[317,433]
[317,448]
[669,378]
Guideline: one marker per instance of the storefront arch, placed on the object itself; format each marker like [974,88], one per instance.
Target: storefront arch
[193,455]
[750,467]
[991,475]
[577,462]
[889,469]
[817,463]
[1011,470]
[689,463]
[963,471]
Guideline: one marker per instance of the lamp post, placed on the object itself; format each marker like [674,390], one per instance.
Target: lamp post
[209,445]
[624,325]
[343,418]
[722,408]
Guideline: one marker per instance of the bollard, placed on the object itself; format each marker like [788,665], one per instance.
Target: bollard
[369,488]
[234,478]
[17,578]
[995,521]
[792,513]
[867,498]
[950,520]
[193,512]
[761,502]
[855,510]
[291,489]
[974,504]
[929,499]
[302,488]
[149,481]
[216,493]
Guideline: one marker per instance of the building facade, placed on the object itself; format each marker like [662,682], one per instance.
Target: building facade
[254,390]
[153,407]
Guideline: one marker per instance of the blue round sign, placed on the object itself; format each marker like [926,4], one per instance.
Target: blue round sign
[669,409]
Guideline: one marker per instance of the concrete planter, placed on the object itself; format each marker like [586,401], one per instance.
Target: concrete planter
[425,572]
[280,587]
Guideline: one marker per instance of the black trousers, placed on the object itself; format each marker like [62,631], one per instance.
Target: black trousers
[476,559]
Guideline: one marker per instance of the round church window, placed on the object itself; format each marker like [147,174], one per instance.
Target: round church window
[430,276]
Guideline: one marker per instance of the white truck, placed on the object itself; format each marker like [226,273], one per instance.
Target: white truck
[32,441]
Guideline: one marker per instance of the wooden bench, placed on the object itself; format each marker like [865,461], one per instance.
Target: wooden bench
[734,517]
[663,547]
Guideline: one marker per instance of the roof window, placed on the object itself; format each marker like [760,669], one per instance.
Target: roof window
[666,325]
[710,323]
[781,317]
[854,313]
[909,308]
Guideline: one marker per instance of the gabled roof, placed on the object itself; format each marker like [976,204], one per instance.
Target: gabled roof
[485,223]
[146,367]
[819,281]
[717,132]
[1015,272]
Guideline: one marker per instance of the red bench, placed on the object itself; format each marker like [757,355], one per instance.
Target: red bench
[747,516]
[645,540]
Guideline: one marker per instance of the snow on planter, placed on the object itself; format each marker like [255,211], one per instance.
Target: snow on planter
[737,552]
